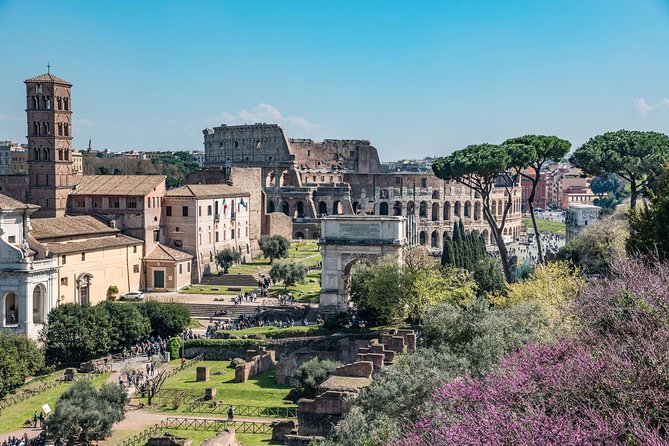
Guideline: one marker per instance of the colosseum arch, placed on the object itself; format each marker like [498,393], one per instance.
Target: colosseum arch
[347,240]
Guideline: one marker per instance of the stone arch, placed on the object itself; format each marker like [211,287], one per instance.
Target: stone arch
[422,238]
[383,208]
[342,247]
[322,208]
[477,210]
[434,240]
[447,211]
[435,211]
[397,209]
[468,209]
[39,296]
[422,211]
[11,307]
[285,208]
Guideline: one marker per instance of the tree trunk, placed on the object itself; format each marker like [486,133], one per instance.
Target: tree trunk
[530,204]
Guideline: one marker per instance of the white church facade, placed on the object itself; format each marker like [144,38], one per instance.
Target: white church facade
[28,275]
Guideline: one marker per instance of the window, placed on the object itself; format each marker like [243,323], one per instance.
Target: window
[168,211]
[156,236]
[12,239]
[184,211]
[63,259]
[135,268]
[134,249]
[83,256]
[131,204]
[180,269]
[63,281]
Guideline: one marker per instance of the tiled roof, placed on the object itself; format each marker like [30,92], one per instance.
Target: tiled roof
[83,225]
[48,77]
[207,191]
[117,184]
[91,244]
[162,252]
[9,203]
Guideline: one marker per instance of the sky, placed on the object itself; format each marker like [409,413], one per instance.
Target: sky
[417,78]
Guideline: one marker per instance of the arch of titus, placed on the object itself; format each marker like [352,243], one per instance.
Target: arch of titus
[347,239]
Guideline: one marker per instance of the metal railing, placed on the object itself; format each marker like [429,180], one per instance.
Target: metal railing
[199,424]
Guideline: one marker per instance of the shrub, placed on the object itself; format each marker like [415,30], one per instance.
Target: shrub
[75,333]
[167,319]
[309,375]
[84,414]
[20,359]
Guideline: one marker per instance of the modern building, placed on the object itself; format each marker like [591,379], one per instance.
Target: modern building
[203,219]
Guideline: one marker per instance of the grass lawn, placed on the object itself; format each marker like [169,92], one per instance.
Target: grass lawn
[546,225]
[13,417]
[259,391]
[309,291]
[199,437]
[258,331]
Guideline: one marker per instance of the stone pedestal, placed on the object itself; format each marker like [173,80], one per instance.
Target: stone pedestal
[202,374]
[210,393]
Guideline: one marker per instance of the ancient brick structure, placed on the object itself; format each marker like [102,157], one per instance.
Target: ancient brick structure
[305,179]
[257,361]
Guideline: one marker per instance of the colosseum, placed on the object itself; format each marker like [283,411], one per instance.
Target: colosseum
[305,180]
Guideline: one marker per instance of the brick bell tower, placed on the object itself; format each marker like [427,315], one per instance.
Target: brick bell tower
[49,116]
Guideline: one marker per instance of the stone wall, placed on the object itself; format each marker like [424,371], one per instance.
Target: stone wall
[278,223]
[257,362]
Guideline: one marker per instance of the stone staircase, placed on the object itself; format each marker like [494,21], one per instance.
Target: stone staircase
[226,280]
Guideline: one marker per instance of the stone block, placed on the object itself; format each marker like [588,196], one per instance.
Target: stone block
[202,373]
[210,393]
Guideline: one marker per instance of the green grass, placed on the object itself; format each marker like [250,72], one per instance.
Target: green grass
[270,332]
[260,390]
[13,417]
[546,226]
[199,437]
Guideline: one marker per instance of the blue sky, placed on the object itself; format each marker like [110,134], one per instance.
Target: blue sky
[417,78]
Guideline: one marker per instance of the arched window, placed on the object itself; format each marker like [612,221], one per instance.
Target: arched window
[38,304]
[11,309]
[383,208]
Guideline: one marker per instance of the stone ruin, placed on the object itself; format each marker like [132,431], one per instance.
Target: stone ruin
[167,439]
[316,417]
[257,361]
[226,437]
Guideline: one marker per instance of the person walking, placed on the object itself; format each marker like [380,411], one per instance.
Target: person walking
[231,412]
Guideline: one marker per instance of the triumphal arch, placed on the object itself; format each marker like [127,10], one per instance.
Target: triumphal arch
[347,239]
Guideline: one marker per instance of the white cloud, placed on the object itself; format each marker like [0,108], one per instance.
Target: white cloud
[643,107]
[268,114]
[8,118]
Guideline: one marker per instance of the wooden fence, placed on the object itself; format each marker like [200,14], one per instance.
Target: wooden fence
[198,424]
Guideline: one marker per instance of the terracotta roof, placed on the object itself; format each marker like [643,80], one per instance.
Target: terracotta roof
[48,228]
[162,252]
[48,77]
[117,184]
[207,191]
[91,244]
[9,203]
